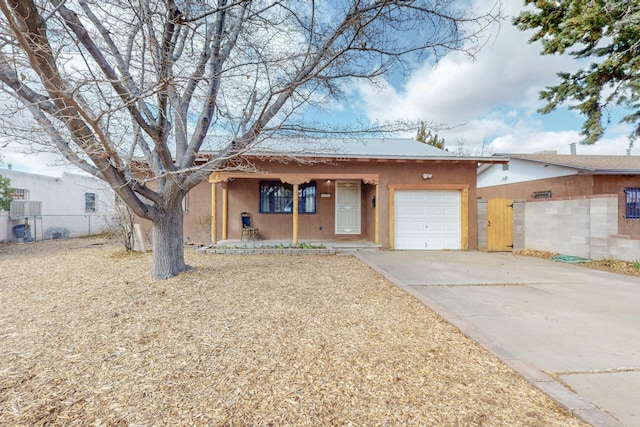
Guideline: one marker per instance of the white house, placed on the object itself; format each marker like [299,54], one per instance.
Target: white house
[71,205]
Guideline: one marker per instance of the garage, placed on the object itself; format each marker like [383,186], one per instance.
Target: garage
[427,219]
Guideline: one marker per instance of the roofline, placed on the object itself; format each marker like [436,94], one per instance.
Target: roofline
[612,171]
[580,168]
[382,157]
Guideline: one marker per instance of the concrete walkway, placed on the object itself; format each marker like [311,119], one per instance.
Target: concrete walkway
[544,319]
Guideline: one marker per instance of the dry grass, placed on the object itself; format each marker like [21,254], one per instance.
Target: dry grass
[612,265]
[87,338]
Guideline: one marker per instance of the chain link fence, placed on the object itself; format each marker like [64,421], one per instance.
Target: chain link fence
[47,227]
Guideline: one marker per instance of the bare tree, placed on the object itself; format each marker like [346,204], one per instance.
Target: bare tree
[121,226]
[152,96]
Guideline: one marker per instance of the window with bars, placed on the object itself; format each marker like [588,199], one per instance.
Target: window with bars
[541,195]
[19,194]
[632,202]
[277,197]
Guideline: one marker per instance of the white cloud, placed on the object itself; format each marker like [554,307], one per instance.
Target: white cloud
[43,163]
[558,142]
[494,98]
[507,71]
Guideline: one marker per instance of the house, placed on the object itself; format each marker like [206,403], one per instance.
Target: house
[396,193]
[554,176]
[582,205]
[71,205]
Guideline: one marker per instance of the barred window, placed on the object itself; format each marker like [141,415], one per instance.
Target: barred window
[19,194]
[541,195]
[277,197]
[632,202]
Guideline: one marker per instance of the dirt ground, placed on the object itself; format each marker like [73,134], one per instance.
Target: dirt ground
[87,338]
[612,265]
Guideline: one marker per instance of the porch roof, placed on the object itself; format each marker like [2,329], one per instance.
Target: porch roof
[293,178]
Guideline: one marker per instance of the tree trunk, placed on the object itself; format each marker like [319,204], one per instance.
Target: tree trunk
[168,251]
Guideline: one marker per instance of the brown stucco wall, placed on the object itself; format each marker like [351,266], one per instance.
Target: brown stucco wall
[615,184]
[570,187]
[197,215]
[243,195]
[566,186]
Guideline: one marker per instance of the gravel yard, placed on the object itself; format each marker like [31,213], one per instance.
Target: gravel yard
[87,338]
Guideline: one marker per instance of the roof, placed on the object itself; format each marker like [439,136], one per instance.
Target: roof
[359,148]
[601,165]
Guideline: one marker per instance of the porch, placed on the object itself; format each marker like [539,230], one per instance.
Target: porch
[355,220]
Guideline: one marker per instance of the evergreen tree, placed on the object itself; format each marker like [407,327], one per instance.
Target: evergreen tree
[5,193]
[426,137]
[607,35]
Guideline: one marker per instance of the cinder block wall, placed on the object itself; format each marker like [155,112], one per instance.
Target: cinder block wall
[580,226]
[626,248]
[603,212]
[482,225]
[518,225]
[558,226]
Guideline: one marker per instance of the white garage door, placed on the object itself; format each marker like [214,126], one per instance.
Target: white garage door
[427,219]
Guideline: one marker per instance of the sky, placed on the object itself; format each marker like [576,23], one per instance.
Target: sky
[487,105]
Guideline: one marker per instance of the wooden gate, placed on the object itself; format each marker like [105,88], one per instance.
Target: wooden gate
[500,225]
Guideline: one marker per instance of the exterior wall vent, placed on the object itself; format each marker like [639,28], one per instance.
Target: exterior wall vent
[21,209]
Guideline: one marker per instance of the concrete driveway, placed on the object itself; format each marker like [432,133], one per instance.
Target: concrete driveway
[544,319]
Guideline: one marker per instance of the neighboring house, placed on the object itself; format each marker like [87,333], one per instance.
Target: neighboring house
[548,176]
[585,206]
[71,205]
[397,193]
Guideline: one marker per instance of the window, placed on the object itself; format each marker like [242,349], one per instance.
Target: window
[505,166]
[90,202]
[19,194]
[632,203]
[541,195]
[276,197]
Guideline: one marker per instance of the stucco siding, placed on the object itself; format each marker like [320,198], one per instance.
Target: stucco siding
[519,171]
[63,209]
[243,195]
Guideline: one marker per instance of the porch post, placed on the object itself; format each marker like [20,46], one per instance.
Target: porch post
[214,213]
[224,210]
[376,214]
[294,210]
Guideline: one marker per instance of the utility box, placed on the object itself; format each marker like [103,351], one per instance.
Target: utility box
[22,232]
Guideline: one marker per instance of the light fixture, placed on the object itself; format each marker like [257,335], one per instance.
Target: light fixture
[427,175]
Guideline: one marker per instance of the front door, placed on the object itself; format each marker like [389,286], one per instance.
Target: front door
[348,210]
